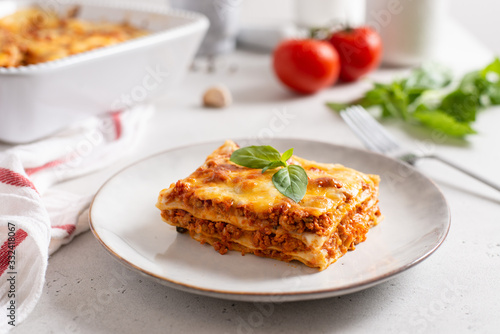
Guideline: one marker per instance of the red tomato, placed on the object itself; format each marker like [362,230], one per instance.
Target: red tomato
[306,65]
[360,51]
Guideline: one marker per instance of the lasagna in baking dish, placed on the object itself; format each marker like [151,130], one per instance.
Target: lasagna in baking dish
[33,35]
[237,208]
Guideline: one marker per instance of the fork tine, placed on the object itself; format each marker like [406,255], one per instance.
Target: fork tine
[373,135]
[359,131]
[373,130]
[366,130]
[377,128]
[369,129]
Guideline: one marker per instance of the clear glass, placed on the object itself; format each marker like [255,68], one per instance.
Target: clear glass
[223,17]
[412,31]
[326,13]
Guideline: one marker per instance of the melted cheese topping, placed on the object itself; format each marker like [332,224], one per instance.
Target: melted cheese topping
[328,188]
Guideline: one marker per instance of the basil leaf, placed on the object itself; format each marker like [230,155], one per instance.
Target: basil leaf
[494,67]
[488,84]
[428,76]
[429,96]
[486,92]
[337,106]
[391,98]
[441,121]
[492,94]
[291,181]
[287,155]
[255,156]
[459,105]
[374,97]
[273,165]
[472,82]
[397,101]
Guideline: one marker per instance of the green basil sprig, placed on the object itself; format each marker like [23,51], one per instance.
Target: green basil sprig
[432,98]
[291,180]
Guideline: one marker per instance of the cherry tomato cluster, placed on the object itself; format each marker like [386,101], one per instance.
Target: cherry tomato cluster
[309,65]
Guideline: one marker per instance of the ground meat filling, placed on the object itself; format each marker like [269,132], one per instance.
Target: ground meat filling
[262,239]
[352,230]
[267,242]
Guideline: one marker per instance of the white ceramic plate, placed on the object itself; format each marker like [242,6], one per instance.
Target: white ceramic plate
[127,223]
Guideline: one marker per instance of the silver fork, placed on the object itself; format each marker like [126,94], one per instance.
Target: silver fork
[377,139]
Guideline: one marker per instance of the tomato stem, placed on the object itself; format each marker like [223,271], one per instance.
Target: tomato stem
[348,29]
[321,33]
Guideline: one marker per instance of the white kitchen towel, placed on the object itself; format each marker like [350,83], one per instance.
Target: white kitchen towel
[36,220]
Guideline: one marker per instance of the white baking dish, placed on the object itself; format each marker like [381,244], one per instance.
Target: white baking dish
[38,100]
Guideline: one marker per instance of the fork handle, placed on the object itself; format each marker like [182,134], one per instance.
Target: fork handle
[465,171]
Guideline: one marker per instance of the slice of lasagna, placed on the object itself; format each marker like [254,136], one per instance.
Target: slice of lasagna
[237,208]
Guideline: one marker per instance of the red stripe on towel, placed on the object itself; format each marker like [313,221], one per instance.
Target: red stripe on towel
[15,179]
[118,124]
[68,228]
[7,249]
[31,171]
